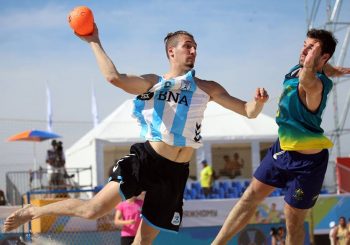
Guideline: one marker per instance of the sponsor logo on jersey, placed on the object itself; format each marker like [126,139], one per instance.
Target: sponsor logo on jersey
[185,85]
[145,96]
[174,97]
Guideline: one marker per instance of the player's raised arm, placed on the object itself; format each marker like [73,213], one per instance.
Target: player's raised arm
[129,83]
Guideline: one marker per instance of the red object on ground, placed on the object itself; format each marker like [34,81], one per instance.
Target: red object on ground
[343,174]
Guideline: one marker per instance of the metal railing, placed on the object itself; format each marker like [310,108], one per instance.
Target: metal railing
[19,183]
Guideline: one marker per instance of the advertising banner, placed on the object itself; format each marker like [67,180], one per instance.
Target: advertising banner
[211,213]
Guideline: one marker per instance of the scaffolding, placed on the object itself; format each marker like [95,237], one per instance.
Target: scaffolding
[330,15]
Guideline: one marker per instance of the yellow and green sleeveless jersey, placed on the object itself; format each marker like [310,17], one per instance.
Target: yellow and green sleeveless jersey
[300,128]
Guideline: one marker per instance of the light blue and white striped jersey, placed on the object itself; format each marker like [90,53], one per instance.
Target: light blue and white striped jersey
[172,111]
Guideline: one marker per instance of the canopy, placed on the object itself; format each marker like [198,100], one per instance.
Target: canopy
[33,135]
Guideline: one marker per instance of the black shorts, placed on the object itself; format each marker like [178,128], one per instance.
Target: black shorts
[126,240]
[163,180]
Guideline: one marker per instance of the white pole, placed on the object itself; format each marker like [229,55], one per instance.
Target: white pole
[34,157]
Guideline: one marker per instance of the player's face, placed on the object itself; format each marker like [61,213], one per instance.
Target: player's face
[342,221]
[186,51]
[308,44]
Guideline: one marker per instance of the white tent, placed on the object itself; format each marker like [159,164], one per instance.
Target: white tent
[121,129]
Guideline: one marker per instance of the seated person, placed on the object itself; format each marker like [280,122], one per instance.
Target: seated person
[227,170]
[237,164]
[232,168]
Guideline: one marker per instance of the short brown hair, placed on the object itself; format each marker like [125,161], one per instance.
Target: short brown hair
[327,39]
[172,39]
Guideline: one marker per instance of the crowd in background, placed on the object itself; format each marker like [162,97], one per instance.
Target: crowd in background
[339,234]
[232,168]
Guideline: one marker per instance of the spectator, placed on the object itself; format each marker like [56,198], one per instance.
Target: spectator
[228,168]
[60,167]
[332,226]
[237,165]
[56,167]
[281,235]
[340,232]
[277,236]
[232,168]
[207,178]
[128,218]
[274,236]
[61,161]
[2,198]
[51,156]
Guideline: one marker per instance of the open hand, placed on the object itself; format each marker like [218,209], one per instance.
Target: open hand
[312,57]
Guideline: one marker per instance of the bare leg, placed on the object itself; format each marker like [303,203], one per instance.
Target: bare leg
[243,210]
[295,224]
[145,234]
[103,202]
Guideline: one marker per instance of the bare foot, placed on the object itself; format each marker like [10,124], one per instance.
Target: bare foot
[18,218]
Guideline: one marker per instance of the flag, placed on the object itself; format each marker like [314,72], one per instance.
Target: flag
[94,107]
[48,109]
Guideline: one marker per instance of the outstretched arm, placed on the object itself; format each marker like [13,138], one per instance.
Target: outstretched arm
[129,83]
[249,109]
[254,107]
[335,71]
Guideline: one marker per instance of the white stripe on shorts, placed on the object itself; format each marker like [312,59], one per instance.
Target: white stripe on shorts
[277,154]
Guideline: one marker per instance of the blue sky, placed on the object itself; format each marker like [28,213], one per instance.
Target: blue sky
[242,44]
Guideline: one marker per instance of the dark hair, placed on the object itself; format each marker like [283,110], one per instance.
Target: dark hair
[280,228]
[59,146]
[327,39]
[172,39]
[343,218]
[273,231]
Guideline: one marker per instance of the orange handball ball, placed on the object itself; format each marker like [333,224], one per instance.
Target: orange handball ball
[81,20]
